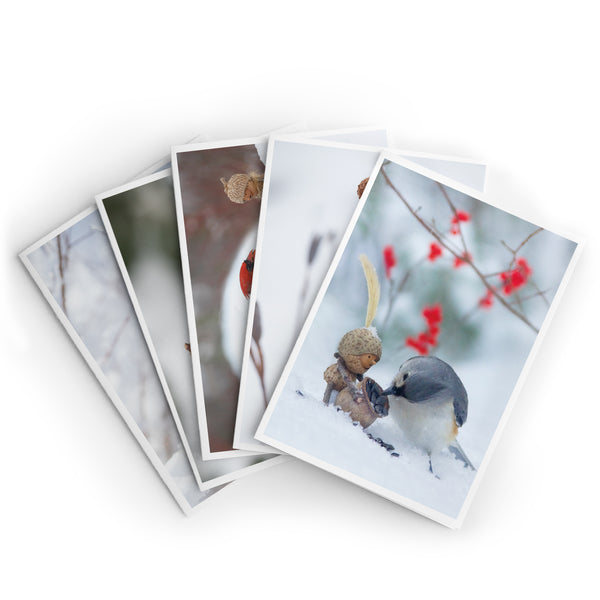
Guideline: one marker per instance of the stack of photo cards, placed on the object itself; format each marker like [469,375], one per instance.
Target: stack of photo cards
[311,294]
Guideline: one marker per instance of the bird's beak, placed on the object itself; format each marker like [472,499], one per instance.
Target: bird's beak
[393,390]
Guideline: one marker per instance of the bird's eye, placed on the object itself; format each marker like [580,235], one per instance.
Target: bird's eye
[405,377]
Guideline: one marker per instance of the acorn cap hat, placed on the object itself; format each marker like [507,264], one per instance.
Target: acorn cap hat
[360,341]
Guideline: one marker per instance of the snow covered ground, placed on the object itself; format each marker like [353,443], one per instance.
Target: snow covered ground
[330,435]
[303,422]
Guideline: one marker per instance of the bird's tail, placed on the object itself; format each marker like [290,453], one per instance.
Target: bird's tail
[457,450]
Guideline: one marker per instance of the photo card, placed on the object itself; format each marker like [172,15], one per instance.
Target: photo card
[311,190]
[218,190]
[141,224]
[76,271]
[419,340]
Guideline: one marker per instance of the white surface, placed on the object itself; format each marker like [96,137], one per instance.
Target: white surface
[90,98]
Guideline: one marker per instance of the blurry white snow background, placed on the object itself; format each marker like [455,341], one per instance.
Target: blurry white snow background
[487,348]
[84,279]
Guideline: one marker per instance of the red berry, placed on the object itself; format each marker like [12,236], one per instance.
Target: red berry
[435,251]
[389,260]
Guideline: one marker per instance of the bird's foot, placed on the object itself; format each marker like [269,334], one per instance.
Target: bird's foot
[431,469]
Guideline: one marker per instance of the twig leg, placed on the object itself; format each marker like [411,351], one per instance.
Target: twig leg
[327,394]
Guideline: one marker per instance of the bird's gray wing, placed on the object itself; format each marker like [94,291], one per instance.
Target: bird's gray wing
[421,387]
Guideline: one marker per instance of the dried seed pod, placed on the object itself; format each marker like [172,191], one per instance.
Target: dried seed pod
[241,187]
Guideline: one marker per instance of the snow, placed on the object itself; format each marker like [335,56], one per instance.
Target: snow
[324,432]
[373,331]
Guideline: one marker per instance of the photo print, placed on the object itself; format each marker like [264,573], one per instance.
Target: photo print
[418,341]
[76,271]
[217,191]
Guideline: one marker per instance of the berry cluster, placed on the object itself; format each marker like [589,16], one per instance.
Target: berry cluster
[435,251]
[516,278]
[426,340]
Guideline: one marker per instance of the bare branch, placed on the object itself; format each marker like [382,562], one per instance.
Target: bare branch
[395,291]
[514,252]
[466,259]
[355,391]
[537,294]
[453,208]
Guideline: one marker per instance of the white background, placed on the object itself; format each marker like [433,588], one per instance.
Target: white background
[93,93]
